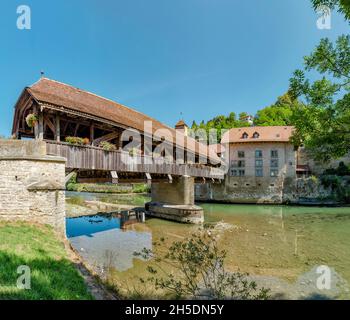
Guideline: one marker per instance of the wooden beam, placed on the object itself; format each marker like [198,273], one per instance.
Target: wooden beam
[76,129]
[36,125]
[69,176]
[92,133]
[58,128]
[65,128]
[49,123]
[115,178]
[106,137]
[41,127]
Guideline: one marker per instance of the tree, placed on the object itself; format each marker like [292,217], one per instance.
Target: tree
[278,114]
[343,6]
[323,120]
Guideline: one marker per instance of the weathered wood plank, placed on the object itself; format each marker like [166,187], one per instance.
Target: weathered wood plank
[94,158]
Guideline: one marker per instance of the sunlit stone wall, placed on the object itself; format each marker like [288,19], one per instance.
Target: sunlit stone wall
[31,184]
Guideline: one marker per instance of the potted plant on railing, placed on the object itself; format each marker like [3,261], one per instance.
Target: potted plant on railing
[133,152]
[31,120]
[106,146]
[75,141]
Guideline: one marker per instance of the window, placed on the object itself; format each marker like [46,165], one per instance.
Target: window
[237,173]
[256,135]
[240,154]
[238,163]
[273,172]
[233,172]
[241,163]
[274,153]
[259,163]
[274,163]
[259,172]
[245,135]
[258,154]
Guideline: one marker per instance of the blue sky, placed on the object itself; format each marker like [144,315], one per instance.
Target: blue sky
[161,57]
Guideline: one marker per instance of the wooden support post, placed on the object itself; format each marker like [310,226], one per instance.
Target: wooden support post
[92,133]
[41,127]
[149,178]
[58,128]
[36,125]
[76,129]
[115,178]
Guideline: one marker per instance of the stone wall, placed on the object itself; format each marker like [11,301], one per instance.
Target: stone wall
[179,192]
[317,168]
[242,190]
[31,184]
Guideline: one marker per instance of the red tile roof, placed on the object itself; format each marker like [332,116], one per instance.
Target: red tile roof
[262,134]
[181,123]
[47,91]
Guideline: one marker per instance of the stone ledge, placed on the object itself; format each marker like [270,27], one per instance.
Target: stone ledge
[45,185]
[33,158]
[181,213]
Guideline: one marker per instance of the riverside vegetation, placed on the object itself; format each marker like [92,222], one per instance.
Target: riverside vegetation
[72,185]
[198,271]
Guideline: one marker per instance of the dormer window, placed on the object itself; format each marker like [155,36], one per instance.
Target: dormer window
[245,135]
[256,135]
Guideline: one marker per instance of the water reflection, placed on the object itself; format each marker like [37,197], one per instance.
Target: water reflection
[102,243]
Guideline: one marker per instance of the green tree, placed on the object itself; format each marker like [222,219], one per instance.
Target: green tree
[278,114]
[323,121]
[343,6]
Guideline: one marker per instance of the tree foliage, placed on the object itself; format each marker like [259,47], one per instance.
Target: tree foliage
[323,121]
[343,6]
[278,114]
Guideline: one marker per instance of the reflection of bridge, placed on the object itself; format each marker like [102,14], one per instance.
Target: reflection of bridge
[53,111]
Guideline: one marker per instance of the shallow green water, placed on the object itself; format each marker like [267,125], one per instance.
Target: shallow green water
[284,242]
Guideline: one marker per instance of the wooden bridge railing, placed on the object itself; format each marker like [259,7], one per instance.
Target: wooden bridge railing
[94,158]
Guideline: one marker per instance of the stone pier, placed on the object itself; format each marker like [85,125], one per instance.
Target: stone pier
[175,201]
[31,184]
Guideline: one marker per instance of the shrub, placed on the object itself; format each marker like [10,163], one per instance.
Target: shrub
[200,271]
[106,146]
[342,170]
[331,181]
[86,141]
[75,140]
[31,120]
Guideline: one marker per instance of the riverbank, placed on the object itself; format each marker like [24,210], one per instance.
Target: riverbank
[138,188]
[53,275]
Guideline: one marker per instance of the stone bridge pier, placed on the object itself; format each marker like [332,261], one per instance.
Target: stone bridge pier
[174,200]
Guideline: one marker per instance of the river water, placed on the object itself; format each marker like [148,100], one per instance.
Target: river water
[286,248]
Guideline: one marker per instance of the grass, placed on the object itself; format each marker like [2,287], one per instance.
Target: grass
[107,188]
[53,275]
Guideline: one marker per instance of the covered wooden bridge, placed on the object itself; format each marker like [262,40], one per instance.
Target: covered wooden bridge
[89,131]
